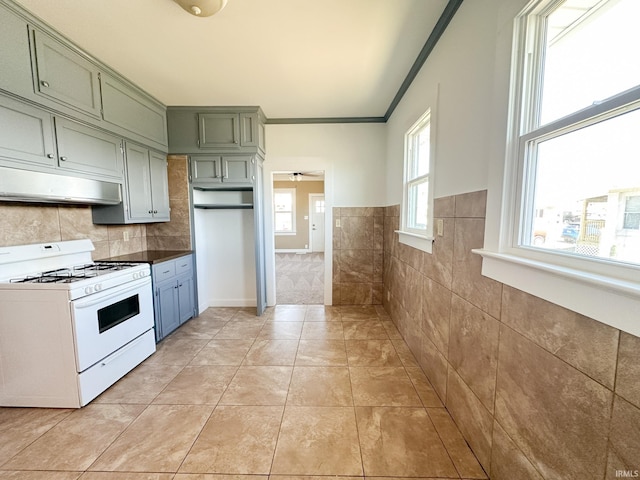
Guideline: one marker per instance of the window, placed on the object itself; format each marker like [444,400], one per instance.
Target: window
[576,135]
[285,211]
[566,230]
[417,200]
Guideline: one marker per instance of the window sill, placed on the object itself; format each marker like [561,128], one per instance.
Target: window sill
[285,234]
[610,301]
[421,242]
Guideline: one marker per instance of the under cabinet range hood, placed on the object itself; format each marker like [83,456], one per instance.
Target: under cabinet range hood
[38,187]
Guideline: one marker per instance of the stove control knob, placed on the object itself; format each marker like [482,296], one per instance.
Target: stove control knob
[98,287]
[88,290]
[136,275]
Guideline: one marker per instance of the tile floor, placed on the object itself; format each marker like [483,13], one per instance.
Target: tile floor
[301,391]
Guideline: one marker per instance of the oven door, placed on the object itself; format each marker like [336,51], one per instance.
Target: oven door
[105,321]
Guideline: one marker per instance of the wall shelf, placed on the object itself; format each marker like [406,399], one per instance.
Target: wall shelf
[222,206]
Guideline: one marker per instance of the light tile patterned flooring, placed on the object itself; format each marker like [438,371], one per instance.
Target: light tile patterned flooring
[300,391]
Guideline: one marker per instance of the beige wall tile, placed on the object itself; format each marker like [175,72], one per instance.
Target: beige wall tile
[444,206]
[412,294]
[356,294]
[588,345]
[22,224]
[472,204]
[439,264]
[356,232]
[357,211]
[77,223]
[624,448]
[554,413]
[378,233]
[628,380]
[507,461]
[468,281]
[435,366]
[356,266]
[472,418]
[436,311]
[473,348]
[463,458]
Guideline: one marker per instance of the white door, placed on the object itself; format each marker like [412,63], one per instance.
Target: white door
[317,208]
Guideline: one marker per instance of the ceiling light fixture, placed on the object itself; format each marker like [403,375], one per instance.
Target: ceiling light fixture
[202,8]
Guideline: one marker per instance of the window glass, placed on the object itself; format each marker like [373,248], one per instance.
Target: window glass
[284,200]
[591,54]
[416,185]
[580,170]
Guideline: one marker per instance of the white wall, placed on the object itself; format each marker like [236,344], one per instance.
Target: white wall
[468,68]
[353,159]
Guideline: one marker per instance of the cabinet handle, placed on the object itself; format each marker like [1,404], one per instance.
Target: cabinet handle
[155,211]
[150,211]
[49,155]
[176,287]
[164,273]
[44,83]
[63,158]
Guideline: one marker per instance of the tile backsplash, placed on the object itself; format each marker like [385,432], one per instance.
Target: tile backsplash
[27,223]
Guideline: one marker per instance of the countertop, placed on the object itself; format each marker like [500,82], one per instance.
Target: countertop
[150,256]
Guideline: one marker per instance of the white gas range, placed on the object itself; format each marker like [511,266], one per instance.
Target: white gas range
[69,327]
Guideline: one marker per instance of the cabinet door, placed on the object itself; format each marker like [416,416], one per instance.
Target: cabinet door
[185,298]
[159,185]
[138,183]
[237,169]
[87,150]
[218,130]
[249,129]
[65,76]
[206,169]
[168,301]
[14,54]
[26,134]
[128,109]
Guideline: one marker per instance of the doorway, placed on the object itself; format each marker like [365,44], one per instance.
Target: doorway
[299,229]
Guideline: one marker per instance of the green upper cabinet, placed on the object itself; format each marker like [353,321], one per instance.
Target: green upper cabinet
[26,135]
[87,150]
[64,75]
[215,129]
[15,63]
[219,130]
[136,114]
[227,170]
[146,195]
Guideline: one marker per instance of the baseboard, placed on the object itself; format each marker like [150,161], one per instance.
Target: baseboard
[293,250]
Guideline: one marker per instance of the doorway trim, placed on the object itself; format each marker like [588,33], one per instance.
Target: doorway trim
[277,165]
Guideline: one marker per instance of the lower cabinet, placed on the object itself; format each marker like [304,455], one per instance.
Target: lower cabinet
[174,299]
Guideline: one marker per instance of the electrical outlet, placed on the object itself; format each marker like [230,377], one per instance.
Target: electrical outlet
[337,223]
[440,227]
[388,295]
[306,246]
[125,236]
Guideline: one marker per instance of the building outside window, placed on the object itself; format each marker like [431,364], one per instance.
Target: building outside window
[285,211]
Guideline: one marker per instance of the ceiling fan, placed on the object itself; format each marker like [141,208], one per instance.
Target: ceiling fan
[297,176]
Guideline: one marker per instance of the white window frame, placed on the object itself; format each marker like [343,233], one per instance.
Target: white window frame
[421,239]
[291,191]
[605,290]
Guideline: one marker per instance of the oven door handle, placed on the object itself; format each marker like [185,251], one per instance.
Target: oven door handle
[118,293]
